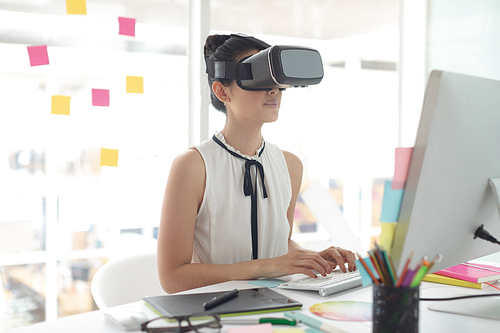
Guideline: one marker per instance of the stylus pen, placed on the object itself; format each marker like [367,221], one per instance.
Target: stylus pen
[218,300]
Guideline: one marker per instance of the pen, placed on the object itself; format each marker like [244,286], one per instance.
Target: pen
[217,300]
[255,321]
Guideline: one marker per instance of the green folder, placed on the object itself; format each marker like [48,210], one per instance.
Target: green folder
[248,301]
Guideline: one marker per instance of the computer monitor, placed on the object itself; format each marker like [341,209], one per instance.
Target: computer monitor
[447,194]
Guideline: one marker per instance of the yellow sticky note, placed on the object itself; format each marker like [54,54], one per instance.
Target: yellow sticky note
[109,157]
[60,104]
[386,235]
[135,84]
[78,7]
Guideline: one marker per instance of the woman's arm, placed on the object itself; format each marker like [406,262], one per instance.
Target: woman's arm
[182,200]
[333,255]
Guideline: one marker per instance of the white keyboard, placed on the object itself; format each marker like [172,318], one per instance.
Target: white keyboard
[333,283]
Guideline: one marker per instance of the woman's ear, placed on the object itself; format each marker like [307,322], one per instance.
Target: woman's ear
[220,91]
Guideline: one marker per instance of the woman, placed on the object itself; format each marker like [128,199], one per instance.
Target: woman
[229,202]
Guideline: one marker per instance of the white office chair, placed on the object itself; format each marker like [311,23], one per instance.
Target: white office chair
[126,280]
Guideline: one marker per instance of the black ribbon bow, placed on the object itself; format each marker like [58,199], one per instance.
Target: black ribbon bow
[249,191]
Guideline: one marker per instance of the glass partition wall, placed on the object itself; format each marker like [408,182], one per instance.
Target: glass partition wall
[64,211]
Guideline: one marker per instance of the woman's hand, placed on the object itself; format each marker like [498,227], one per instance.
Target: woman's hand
[299,261]
[303,261]
[339,256]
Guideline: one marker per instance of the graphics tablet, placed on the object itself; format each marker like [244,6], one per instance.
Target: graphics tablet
[248,301]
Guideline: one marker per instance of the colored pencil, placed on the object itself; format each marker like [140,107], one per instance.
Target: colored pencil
[368,270]
[405,269]
[377,267]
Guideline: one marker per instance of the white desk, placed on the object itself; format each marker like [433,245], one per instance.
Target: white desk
[430,321]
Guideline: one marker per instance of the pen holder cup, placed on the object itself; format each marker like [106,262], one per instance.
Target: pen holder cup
[395,309]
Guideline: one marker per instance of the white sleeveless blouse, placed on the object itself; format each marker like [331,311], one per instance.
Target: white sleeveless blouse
[222,232]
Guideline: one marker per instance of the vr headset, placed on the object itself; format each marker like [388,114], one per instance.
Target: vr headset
[278,66]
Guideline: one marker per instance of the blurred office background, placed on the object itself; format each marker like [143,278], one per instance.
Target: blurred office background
[62,215]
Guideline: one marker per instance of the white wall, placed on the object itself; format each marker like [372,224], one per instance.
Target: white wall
[464,37]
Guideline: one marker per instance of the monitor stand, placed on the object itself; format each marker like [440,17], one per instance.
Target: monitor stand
[486,307]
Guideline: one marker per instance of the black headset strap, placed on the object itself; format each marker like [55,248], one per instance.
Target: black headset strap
[233,70]
[254,40]
[228,70]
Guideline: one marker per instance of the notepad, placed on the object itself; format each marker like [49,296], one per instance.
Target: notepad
[248,301]
[476,273]
[451,281]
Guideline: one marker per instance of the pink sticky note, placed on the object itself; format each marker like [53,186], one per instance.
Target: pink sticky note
[260,328]
[402,163]
[127,26]
[38,55]
[100,97]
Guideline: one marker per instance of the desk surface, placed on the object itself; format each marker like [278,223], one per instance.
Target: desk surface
[430,321]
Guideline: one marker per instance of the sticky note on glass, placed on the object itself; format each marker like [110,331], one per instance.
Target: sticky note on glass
[366,279]
[100,97]
[402,164]
[109,157]
[127,26]
[387,235]
[391,204]
[60,104]
[38,55]
[78,7]
[135,84]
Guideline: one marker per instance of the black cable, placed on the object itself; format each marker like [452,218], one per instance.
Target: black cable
[483,234]
[457,297]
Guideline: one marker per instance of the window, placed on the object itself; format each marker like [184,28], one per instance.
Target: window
[63,214]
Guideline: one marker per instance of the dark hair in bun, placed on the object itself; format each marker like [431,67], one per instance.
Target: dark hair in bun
[225,48]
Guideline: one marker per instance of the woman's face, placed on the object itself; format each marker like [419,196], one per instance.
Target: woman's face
[257,106]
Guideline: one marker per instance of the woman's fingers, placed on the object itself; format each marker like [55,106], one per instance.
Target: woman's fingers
[351,260]
[337,257]
[307,263]
[313,262]
[340,256]
[348,257]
